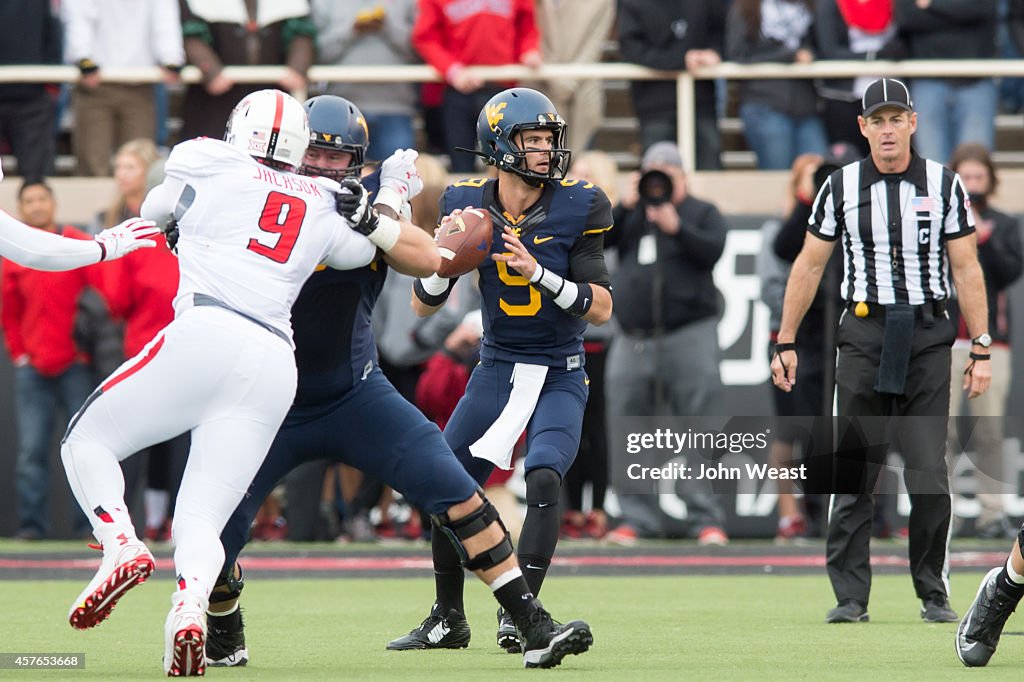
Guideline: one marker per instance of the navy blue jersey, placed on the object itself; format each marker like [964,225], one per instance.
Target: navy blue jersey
[331,319]
[564,231]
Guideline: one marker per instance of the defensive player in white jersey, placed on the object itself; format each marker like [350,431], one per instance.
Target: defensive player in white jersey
[250,233]
[41,250]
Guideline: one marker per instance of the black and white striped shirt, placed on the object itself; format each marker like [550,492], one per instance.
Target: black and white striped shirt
[894,229]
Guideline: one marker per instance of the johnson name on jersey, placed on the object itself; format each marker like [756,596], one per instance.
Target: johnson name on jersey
[250,235]
[564,230]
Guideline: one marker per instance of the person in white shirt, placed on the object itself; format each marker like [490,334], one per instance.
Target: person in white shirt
[106,34]
[250,232]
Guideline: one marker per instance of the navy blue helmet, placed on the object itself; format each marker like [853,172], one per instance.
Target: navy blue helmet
[335,124]
[508,114]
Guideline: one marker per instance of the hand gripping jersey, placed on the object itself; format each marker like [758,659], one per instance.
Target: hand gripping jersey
[564,231]
[249,235]
[334,342]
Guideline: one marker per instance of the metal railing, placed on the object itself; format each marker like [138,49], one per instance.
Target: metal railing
[599,71]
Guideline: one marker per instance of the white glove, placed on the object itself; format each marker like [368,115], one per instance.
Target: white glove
[399,173]
[130,235]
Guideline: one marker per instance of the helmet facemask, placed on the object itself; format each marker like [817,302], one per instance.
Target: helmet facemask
[336,125]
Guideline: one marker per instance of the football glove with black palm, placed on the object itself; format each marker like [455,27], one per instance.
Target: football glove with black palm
[353,204]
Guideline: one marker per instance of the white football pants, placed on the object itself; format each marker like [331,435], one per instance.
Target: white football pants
[211,372]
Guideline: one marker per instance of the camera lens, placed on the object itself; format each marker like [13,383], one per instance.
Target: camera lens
[655,187]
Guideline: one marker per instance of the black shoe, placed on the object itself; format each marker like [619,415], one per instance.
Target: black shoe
[508,638]
[938,610]
[546,642]
[978,634]
[225,641]
[848,611]
[450,631]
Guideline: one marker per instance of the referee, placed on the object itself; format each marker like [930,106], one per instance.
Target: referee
[905,225]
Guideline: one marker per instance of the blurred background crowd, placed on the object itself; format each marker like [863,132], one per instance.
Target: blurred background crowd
[66,331]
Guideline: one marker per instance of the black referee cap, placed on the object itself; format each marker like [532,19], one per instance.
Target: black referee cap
[886,92]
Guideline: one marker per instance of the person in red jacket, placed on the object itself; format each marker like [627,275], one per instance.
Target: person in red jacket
[453,34]
[37,312]
[140,289]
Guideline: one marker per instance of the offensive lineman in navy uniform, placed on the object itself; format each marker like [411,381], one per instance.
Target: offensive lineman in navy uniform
[347,411]
[545,281]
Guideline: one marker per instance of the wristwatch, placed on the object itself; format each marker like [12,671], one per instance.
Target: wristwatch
[983,340]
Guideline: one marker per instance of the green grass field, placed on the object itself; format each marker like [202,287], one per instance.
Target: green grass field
[705,628]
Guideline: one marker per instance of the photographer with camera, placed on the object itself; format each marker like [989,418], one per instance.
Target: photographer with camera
[665,361]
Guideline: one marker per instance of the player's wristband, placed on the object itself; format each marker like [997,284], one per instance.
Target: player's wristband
[433,290]
[571,297]
[980,356]
[387,232]
[390,198]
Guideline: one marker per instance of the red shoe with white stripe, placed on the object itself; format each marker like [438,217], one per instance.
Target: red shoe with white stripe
[127,562]
[185,637]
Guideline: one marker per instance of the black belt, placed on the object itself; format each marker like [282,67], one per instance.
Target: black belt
[205,300]
[925,311]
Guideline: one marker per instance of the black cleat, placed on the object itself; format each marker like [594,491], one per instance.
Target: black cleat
[848,611]
[938,610]
[225,641]
[978,634]
[546,642]
[436,632]
[508,638]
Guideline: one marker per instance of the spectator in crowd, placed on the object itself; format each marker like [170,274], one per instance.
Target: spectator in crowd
[253,33]
[111,33]
[37,311]
[30,33]
[98,334]
[574,31]
[1002,258]
[674,36]
[773,270]
[591,465]
[780,116]
[452,35]
[668,243]
[372,32]
[852,30]
[954,110]
[1011,90]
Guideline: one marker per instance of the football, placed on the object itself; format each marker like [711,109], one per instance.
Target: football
[464,242]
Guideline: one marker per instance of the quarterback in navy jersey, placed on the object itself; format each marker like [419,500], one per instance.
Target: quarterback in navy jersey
[345,409]
[545,280]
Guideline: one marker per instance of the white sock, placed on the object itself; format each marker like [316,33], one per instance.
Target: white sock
[96,481]
[198,553]
[155,502]
[505,578]
[1015,577]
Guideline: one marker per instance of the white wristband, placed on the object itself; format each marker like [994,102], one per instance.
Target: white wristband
[435,285]
[389,197]
[387,232]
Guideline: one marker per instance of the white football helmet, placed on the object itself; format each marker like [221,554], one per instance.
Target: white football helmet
[270,125]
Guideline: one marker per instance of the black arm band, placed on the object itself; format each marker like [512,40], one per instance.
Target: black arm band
[981,356]
[572,297]
[432,300]
[783,347]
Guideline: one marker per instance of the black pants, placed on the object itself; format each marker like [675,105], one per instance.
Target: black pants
[864,428]
[28,126]
[460,117]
